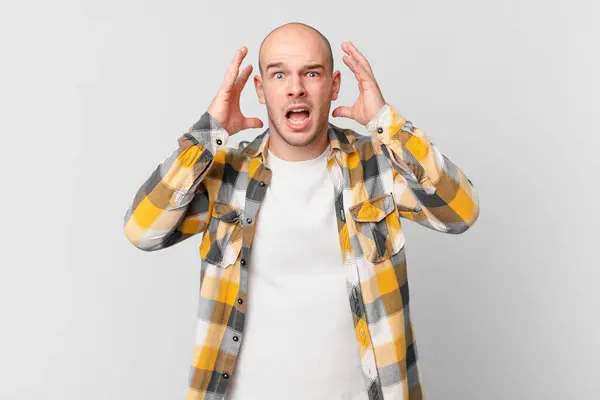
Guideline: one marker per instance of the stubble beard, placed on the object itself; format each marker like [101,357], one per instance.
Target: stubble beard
[299,139]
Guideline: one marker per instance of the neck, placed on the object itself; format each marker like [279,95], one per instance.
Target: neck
[288,152]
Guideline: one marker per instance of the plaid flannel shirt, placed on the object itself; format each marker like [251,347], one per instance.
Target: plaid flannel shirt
[396,172]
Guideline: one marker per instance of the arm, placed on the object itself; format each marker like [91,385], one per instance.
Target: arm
[173,204]
[446,200]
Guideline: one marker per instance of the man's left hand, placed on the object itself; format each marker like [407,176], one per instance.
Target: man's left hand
[370,100]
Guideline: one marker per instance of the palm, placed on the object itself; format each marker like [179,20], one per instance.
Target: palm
[369,94]
[370,100]
[231,111]
[225,107]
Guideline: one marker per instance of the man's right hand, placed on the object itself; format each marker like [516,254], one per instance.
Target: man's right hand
[225,107]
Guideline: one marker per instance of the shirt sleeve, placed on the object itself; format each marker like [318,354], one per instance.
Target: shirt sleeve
[173,204]
[443,198]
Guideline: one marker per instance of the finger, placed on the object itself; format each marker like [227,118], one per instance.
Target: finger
[341,111]
[356,68]
[365,73]
[253,123]
[352,50]
[360,59]
[243,78]
[234,68]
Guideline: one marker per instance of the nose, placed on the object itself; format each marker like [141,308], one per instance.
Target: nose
[296,88]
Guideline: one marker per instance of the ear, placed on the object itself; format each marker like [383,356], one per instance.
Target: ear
[335,87]
[259,89]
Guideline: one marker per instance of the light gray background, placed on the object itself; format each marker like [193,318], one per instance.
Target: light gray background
[94,94]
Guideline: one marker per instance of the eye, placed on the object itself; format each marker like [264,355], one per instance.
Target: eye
[313,72]
[277,73]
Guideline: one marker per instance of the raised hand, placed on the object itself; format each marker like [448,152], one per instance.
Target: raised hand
[370,100]
[225,107]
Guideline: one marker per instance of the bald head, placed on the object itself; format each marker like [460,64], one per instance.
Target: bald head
[291,33]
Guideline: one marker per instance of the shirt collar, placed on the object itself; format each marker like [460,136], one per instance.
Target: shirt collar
[339,139]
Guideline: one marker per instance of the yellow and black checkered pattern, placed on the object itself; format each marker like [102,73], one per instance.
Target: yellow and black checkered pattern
[395,172]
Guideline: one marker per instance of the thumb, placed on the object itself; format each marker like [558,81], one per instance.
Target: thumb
[341,111]
[253,123]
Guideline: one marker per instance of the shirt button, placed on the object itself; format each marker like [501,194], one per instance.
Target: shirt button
[219,142]
[379,130]
[235,338]
[249,220]
[226,375]
[261,184]
[243,262]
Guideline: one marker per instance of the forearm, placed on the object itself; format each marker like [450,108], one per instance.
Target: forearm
[447,197]
[158,216]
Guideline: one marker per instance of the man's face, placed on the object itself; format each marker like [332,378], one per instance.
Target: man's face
[295,72]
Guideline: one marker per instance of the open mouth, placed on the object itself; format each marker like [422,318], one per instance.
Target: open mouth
[298,119]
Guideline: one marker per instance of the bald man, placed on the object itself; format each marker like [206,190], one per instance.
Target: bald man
[302,252]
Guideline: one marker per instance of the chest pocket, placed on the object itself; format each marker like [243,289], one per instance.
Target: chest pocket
[378,228]
[222,241]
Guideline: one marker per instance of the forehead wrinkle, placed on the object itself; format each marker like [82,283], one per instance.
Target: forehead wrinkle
[282,65]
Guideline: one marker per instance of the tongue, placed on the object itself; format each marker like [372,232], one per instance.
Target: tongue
[298,116]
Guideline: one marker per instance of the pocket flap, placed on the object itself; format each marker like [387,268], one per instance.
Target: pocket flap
[226,212]
[373,210]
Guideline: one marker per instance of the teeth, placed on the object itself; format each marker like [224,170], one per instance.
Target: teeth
[296,122]
[298,110]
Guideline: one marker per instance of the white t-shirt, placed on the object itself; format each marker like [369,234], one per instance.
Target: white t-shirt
[299,341]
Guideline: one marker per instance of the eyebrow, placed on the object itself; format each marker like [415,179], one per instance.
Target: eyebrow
[280,64]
